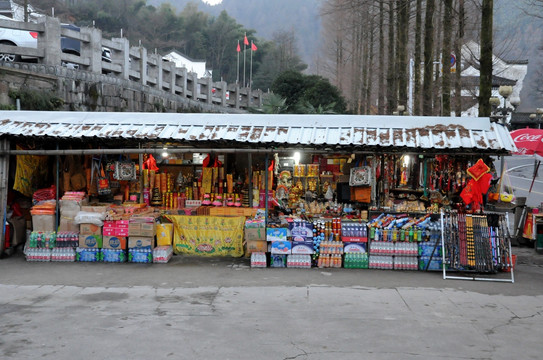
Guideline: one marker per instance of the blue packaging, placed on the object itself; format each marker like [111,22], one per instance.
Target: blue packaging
[88,254]
[140,255]
[281,247]
[435,264]
[426,248]
[278,261]
[113,255]
[276,234]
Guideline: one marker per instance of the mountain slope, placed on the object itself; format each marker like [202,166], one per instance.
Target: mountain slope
[267,17]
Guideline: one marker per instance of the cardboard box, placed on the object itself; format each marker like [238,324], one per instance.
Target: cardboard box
[43,223]
[164,234]
[114,242]
[148,229]
[68,224]
[255,234]
[90,229]
[255,223]
[357,247]
[95,208]
[109,224]
[134,229]
[90,241]
[141,229]
[276,234]
[281,247]
[252,246]
[122,224]
[302,229]
[120,231]
[141,242]
[108,231]
[302,247]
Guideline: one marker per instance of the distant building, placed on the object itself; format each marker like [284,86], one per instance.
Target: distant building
[15,11]
[504,72]
[183,61]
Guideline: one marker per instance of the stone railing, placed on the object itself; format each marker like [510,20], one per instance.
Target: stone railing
[128,64]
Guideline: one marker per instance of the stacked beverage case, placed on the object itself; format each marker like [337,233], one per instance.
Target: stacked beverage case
[394,242]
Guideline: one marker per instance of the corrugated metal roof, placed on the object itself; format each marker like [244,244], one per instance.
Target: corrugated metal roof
[339,131]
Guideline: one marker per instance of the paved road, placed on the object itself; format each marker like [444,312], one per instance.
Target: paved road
[220,308]
[521,173]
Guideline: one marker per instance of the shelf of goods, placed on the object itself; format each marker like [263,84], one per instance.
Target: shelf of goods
[402,242]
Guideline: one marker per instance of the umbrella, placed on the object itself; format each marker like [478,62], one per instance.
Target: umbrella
[529,142]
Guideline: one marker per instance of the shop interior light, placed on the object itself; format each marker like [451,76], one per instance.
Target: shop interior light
[165,152]
[297,157]
[406,160]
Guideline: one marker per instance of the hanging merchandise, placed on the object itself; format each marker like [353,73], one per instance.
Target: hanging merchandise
[124,170]
[103,181]
[473,193]
[27,173]
[150,163]
[360,176]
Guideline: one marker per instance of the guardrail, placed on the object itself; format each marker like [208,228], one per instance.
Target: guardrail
[132,63]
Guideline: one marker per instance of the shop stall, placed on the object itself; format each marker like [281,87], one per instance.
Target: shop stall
[294,190]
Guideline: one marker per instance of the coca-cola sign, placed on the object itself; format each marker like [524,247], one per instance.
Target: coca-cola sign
[527,138]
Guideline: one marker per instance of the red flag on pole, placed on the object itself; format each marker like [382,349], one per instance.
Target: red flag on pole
[245,40]
[253,46]
[238,48]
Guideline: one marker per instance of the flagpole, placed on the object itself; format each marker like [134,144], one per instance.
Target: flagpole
[251,67]
[244,51]
[237,78]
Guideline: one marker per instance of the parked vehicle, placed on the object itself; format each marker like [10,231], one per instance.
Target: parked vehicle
[15,37]
[29,39]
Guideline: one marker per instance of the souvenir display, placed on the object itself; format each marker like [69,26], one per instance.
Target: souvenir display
[358,212]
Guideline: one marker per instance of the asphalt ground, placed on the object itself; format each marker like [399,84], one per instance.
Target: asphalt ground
[220,308]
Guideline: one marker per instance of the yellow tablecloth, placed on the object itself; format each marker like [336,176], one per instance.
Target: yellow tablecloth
[208,235]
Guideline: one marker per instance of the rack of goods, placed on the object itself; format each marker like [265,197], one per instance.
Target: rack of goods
[476,244]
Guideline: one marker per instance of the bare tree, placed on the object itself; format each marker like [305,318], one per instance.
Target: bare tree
[446,56]
[459,40]
[428,57]
[418,46]
[404,7]
[381,92]
[391,76]
[485,78]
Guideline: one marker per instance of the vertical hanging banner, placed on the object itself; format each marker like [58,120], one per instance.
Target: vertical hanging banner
[208,235]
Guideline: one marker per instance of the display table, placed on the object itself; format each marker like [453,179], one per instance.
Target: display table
[208,235]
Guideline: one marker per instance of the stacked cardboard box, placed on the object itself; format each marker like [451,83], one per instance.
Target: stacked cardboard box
[90,236]
[115,234]
[255,236]
[141,239]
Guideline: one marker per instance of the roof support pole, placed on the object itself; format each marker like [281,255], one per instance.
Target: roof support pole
[4,177]
[250,176]
[57,184]
[266,164]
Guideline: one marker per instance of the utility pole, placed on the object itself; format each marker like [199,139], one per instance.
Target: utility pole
[25,7]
